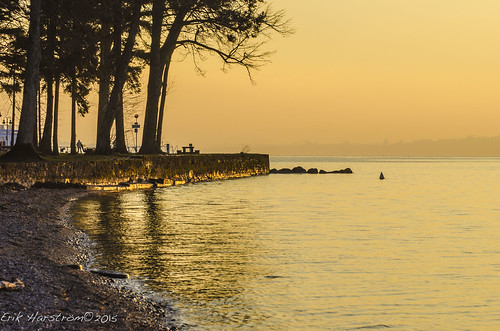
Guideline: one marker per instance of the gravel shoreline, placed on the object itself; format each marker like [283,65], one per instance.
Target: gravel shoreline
[37,247]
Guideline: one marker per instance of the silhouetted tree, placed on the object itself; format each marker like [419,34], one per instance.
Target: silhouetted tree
[55,143]
[84,41]
[13,42]
[13,60]
[123,58]
[50,11]
[24,148]
[105,70]
[78,57]
[235,30]
[154,82]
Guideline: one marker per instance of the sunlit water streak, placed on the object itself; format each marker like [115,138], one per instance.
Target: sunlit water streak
[417,251]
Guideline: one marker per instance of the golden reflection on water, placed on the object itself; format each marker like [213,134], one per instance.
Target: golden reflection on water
[418,251]
[171,244]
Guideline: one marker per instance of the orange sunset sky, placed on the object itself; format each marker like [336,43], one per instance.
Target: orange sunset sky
[359,71]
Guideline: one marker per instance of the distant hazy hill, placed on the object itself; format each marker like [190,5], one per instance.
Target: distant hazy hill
[470,146]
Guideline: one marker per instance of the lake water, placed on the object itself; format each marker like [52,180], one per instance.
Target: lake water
[417,251]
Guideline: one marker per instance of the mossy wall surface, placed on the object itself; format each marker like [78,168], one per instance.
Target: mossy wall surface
[171,168]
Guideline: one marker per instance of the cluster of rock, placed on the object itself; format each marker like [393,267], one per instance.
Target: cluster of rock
[300,170]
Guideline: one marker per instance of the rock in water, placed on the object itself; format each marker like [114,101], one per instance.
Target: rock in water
[299,170]
[343,171]
[285,171]
[381,176]
[110,273]
[312,171]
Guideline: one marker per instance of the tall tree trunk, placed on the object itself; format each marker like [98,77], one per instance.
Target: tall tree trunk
[161,113]
[35,128]
[45,142]
[104,73]
[24,148]
[13,111]
[121,147]
[55,143]
[166,53]
[148,145]
[166,60]
[39,118]
[73,112]
[103,138]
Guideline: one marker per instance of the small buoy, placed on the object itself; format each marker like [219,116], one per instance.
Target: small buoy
[381,176]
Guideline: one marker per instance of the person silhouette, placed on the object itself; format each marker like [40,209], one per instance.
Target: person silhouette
[79,146]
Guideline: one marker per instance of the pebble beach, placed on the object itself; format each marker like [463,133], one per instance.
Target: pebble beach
[44,271]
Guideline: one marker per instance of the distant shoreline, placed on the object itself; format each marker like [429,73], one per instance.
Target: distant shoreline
[460,147]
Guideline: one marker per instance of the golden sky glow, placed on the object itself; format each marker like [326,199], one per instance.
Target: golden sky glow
[359,71]
[355,70]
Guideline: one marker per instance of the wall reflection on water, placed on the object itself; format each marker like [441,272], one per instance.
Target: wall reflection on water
[195,248]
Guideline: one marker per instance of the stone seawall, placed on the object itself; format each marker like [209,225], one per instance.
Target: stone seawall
[165,169]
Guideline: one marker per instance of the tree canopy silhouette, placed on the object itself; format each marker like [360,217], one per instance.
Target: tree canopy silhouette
[78,44]
[24,149]
[234,30]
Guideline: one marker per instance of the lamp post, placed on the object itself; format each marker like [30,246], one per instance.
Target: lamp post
[136,127]
[8,121]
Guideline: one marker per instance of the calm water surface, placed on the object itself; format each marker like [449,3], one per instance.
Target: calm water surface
[417,251]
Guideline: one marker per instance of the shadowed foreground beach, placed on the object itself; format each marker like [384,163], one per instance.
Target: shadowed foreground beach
[36,247]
